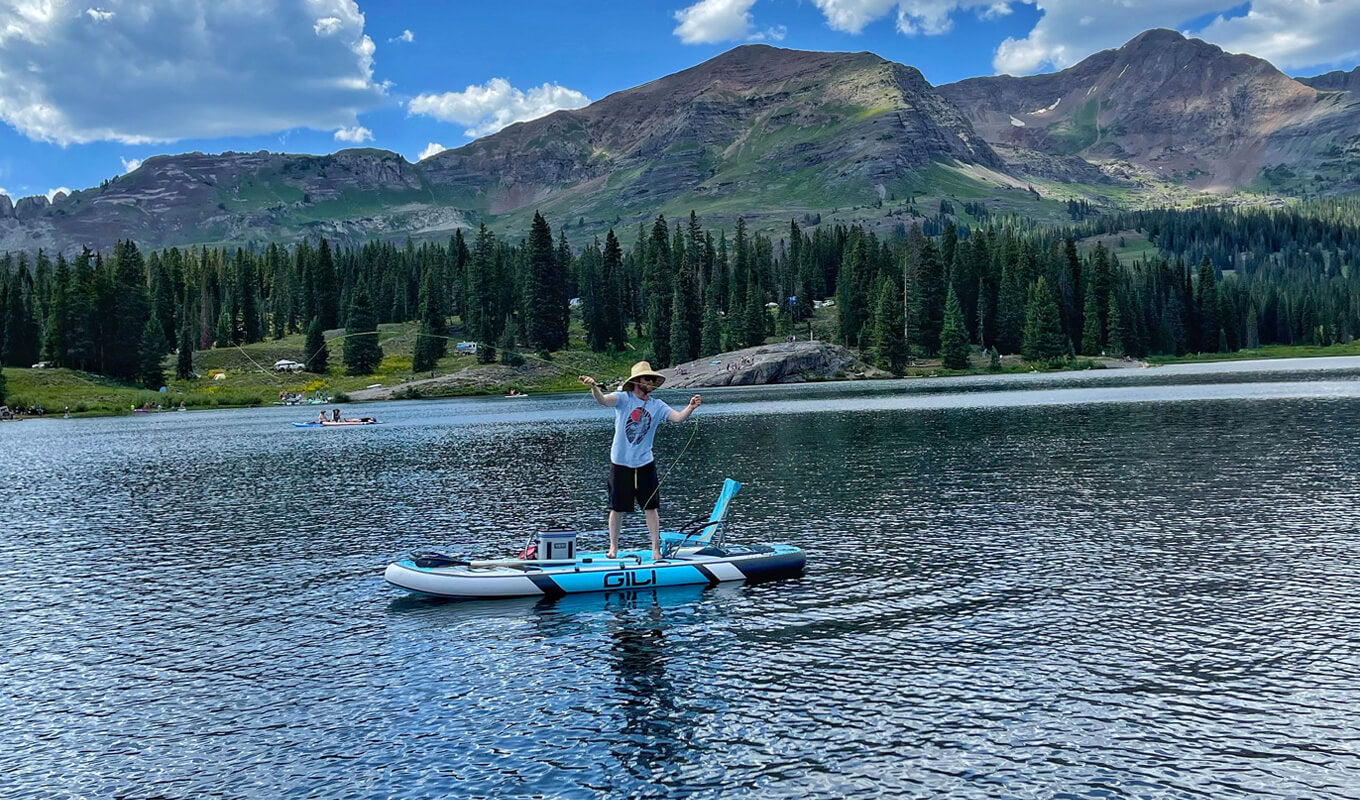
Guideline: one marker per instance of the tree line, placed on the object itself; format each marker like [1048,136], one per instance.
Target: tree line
[1223,279]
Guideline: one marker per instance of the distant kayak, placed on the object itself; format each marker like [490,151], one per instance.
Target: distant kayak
[344,423]
[515,396]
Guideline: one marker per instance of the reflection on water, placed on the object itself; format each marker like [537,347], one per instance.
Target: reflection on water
[1077,585]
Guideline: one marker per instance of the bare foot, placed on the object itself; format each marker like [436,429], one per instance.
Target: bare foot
[656,556]
[611,555]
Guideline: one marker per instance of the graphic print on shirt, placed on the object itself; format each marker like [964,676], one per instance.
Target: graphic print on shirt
[639,422]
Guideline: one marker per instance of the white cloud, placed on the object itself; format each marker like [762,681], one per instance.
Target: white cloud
[354,135]
[995,11]
[850,16]
[930,17]
[327,26]
[406,36]
[774,33]
[1288,33]
[487,108]
[130,164]
[4,191]
[431,149]
[190,68]
[710,21]
[1291,33]
[51,193]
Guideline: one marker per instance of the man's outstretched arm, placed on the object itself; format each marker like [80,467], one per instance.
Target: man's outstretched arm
[600,397]
[683,414]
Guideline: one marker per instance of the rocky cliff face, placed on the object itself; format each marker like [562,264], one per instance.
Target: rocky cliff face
[1181,108]
[790,362]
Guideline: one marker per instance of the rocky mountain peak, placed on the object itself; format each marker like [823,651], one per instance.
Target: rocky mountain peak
[1182,108]
[1335,81]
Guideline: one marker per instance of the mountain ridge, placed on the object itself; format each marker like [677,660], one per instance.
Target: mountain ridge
[771,134]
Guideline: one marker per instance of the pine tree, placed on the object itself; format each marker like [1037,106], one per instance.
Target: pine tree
[223,332]
[931,295]
[612,292]
[1090,330]
[483,310]
[679,344]
[545,291]
[590,289]
[430,343]
[184,361]
[954,334]
[248,292]
[509,354]
[362,352]
[315,355]
[710,342]
[889,346]
[658,293]
[20,342]
[1206,304]
[55,346]
[685,310]
[326,287]
[78,336]
[151,354]
[1044,338]
[756,317]
[1010,311]
[162,296]
[128,313]
[852,301]
[1114,340]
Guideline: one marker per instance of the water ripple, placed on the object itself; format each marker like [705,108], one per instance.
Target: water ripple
[1038,586]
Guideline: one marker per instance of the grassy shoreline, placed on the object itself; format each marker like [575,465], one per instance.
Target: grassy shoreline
[247,381]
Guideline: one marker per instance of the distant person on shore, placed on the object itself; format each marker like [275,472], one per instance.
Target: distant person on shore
[632,469]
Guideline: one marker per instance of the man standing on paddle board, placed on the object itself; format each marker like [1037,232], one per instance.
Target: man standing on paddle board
[632,469]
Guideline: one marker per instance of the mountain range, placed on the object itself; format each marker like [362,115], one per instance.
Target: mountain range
[771,134]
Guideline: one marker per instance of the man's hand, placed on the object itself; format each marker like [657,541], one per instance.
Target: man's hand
[695,401]
[589,381]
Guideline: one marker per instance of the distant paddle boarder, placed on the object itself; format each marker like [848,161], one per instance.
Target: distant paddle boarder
[632,468]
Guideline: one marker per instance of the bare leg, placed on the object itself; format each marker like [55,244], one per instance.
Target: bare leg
[614,520]
[654,528]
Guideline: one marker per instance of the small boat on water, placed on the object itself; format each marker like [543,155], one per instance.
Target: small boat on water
[344,423]
[553,567]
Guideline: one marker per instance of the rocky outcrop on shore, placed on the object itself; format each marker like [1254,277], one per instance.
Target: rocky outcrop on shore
[785,362]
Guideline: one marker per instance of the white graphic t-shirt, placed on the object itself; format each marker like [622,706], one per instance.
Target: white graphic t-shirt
[635,424]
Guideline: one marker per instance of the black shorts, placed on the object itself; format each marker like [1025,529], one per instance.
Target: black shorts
[633,485]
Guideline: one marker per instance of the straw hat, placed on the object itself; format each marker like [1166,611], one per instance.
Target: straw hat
[642,369]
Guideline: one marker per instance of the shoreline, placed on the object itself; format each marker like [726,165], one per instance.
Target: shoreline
[769,364]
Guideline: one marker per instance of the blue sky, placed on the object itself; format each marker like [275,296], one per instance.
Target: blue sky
[90,89]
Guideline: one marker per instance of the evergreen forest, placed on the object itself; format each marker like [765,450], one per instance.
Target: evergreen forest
[1211,280]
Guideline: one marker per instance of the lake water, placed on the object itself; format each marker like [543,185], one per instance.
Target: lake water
[1133,584]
